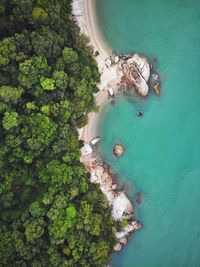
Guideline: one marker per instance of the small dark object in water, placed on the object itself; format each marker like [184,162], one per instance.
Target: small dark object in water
[140,113]
[154,62]
[138,198]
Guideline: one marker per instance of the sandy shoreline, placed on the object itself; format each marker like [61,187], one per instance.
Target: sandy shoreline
[93,30]
[85,12]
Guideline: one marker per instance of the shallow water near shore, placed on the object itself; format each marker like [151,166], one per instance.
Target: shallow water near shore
[162,149]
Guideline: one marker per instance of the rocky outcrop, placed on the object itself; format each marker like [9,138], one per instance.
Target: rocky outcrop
[123,235]
[142,65]
[118,150]
[136,73]
[133,226]
[156,83]
[117,247]
[121,207]
[132,69]
[156,87]
[123,241]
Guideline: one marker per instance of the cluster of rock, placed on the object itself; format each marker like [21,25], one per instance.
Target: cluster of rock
[122,236]
[156,83]
[136,73]
[120,204]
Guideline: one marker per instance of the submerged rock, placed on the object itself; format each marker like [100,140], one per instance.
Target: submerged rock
[156,87]
[140,113]
[118,150]
[155,76]
[138,198]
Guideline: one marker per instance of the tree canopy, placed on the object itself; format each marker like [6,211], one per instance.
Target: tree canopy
[50,214]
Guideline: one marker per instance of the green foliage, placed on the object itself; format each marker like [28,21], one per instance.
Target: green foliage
[2,8]
[34,229]
[39,13]
[69,55]
[50,214]
[31,70]
[30,106]
[47,84]
[123,223]
[10,94]
[6,246]
[10,120]
[38,131]
[36,210]
[62,220]
[45,109]
[57,173]
[7,51]
[71,213]
[61,79]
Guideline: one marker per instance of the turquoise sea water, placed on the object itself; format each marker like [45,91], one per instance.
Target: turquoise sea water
[162,149]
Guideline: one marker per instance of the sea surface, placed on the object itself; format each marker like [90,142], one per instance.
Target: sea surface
[162,149]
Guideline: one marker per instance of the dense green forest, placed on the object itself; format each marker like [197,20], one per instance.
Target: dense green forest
[50,215]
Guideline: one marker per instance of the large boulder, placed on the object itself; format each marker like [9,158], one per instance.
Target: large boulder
[123,240]
[117,247]
[118,150]
[136,71]
[142,65]
[121,206]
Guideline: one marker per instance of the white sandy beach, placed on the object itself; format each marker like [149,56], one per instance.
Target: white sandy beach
[84,9]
